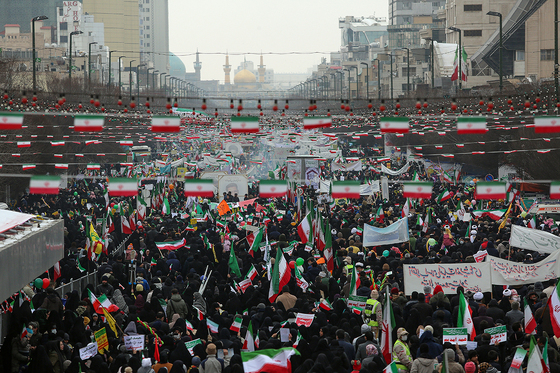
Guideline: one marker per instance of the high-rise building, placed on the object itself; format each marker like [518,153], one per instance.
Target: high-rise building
[122,26]
[408,17]
[154,33]
[22,11]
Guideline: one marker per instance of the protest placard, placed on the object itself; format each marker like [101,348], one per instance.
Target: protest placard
[89,351]
[101,339]
[497,334]
[455,335]
[134,342]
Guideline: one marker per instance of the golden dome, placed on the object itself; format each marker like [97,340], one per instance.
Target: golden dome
[244,76]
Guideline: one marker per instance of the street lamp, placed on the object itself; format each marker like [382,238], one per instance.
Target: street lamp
[407,71]
[130,78]
[165,82]
[70,64]
[348,83]
[357,82]
[38,18]
[391,56]
[121,57]
[138,78]
[459,56]
[110,71]
[367,79]
[161,75]
[432,59]
[154,86]
[498,14]
[89,61]
[378,80]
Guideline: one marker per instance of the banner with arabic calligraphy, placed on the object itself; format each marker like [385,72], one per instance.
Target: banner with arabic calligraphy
[511,273]
[471,276]
[534,240]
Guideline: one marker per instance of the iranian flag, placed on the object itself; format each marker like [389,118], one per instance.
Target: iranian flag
[394,125]
[547,124]
[270,361]
[354,282]
[455,75]
[24,144]
[345,189]
[28,166]
[166,124]
[300,281]
[236,325]
[123,187]
[249,344]
[198,188]
[61,166]
[126,143]
[57,143]
[244,124]
[490,190]
[465,316]
[392,368]
[554,307]
[555,190]
[326,305]
[93,166]
[304,228]
[492,214]
[171,245]
[443,196]
[280,276]
[101,302]
[255,240]
[89,123]
[11,121]
[469,125]
[387,326]
[310,123]
[272,188]
[214,327]
[530,323]
[380,215]
[417,190]
[535,361]
[56,271]
[44,185]
[252,273]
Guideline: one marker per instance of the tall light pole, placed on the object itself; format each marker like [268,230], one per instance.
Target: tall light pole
[38,18]
[160,81]
[138,78]
[378,79]
[407,71]
[89,61]
[367,79]
[110,71]
[357,83]
[70,63]
[348,83]
[432,59]
[459,56]
[498,14]
[130,78]
[121,57]
[165,76]
[154,86]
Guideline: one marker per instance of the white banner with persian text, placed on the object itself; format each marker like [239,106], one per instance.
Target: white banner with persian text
[505,272]
[534,240]
[471,276]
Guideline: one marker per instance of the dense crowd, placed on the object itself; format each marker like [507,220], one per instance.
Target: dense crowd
[172,296]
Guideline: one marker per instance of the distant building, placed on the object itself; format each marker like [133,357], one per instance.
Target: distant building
[22,11]
[154,34]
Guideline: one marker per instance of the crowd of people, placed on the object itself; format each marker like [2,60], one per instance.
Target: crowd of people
[173,296]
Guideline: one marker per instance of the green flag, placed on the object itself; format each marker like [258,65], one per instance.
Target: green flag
[233,265]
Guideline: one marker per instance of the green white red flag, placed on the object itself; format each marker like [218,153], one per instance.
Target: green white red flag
[305,228]
[44,185]
[269,360]
[530,323]
[281,274]
[547,124]
[443,196]
[236,325]
[122,187]
[555,190]
[11,121]
[417,190]
[387,326]
[394,125]
[171,245]
[465,316]
[345,189]
[470,125]
[198,188]
[244,124]
[554,307]
[249,344]
[272,188]
[101,302]
[88,123]
[166,124]
[316,122]
[490,190]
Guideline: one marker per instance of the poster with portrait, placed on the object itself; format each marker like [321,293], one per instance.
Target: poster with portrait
[234,184]
[294,170]
[312,177]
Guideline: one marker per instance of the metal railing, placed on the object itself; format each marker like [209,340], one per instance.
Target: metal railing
[119,250]
[78,284]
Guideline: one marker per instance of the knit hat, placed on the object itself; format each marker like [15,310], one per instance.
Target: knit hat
[438,289]
[394,291]
[470,367]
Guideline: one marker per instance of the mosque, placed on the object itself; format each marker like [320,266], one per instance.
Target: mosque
[247,78]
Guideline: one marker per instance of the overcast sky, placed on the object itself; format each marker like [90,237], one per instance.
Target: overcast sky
[251,26]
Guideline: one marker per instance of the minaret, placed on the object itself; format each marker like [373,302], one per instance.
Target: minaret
[197,67]
[261,70]
[227,70]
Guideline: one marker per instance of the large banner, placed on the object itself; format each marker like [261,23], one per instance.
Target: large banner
[236,184]
[505,272]
[350,166]
[534,240]
[395,233]
[471,276]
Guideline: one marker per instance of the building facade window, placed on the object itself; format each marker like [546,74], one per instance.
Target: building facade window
[472,33]
[520,55]
[547,54]
[472,8]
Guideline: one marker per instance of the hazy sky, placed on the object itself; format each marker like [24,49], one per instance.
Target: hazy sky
[252,26]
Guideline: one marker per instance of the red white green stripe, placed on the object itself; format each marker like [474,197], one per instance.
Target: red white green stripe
[101,302]
[469,125]
[57,143]
[28,166]
[198,188]
[171,245]
[24,144]
[166,124]
[443,196]
[244,124]
[122,186]
[236,325]
[465,316]
[89,123]
[547,124]
[93,166]
[316,122]
[345,189]
[126,143]
[417,190]
[280,276]
[269,360]
[394,125]
[61,166]
[490,190]
[11,121]
[272,188]
[44,185]
[555,190]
